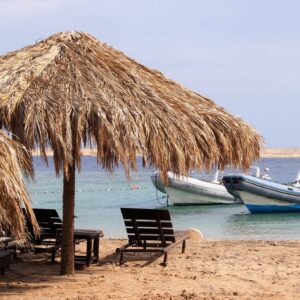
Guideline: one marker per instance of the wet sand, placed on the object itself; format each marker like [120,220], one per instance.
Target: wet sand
[208,270]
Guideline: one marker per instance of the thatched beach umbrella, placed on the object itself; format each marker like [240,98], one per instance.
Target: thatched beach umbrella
[14,161]
[71,88]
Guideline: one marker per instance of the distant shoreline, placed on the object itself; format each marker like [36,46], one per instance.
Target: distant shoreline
[280,153]
[266,152]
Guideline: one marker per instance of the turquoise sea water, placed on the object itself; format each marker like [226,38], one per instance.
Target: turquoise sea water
[100,196]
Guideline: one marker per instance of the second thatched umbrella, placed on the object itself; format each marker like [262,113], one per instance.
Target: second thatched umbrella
[71,88]
[14,161]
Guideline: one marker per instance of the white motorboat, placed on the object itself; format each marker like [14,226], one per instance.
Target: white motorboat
[184,190]
[261,195]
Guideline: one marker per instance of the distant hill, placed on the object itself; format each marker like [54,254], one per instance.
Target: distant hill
[266,152]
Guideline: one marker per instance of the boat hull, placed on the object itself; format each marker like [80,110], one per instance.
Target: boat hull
[205,197]
[189,191]
[261,196]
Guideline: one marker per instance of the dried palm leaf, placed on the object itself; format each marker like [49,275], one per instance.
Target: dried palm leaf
[71,88]
[13,193]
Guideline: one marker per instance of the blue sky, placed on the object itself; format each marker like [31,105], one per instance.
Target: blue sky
[245,55]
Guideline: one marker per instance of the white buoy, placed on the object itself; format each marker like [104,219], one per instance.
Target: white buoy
[195,234]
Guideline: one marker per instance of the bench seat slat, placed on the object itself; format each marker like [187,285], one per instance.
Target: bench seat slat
[152,224]
[146,214]
[150,231]
[149,237]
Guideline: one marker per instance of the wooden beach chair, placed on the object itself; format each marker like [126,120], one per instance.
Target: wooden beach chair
[49,221]
[10,244]
[150,230]
[4,260]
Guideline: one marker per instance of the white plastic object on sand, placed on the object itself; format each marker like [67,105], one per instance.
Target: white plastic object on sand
[195,234]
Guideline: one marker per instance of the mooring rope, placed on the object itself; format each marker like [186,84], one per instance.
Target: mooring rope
[141,202]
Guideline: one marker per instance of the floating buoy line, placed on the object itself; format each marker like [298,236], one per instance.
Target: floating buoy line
[132,188]
[113,189]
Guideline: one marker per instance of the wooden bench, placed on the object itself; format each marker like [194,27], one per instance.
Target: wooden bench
[150,230]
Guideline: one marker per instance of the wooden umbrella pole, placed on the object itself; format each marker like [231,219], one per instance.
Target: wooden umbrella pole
[67,254]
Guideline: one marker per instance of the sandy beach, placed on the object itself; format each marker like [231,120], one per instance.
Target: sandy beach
[208,270]
[101,101]
[266,152]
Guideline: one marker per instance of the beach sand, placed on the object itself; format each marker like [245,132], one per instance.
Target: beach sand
[208,270]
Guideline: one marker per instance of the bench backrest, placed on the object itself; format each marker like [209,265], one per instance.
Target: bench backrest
[46,219]
[148,227]
[44,215]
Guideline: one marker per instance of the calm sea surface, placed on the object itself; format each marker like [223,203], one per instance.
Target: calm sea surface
[99,197]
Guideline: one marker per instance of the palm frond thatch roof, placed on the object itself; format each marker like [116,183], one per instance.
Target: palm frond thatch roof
[13,194]
[71,88]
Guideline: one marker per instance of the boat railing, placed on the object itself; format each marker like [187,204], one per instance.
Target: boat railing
[257,171]
[295,183]
[216,177]
[258,174]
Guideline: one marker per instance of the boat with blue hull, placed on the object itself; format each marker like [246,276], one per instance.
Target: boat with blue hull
[264,196]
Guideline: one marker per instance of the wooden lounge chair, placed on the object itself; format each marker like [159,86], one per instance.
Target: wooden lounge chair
[10,244]
[150,230]
[49,221]
[4,260]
